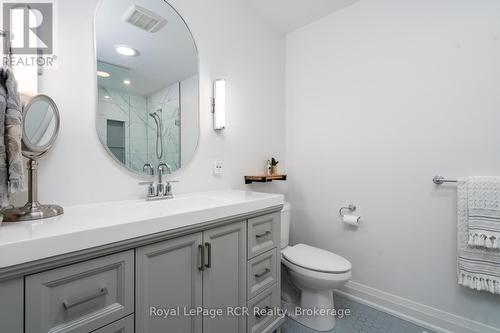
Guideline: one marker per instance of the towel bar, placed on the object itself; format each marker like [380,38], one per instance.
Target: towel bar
[439,180]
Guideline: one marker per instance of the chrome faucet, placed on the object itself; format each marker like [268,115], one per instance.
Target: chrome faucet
[163,190]
[148,169]
[160,187]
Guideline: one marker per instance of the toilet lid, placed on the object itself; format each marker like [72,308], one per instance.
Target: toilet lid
[315,259]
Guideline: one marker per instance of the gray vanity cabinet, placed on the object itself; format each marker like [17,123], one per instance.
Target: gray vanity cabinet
[125,325]
[11,306]
[207,269]
[81,297]
[263,234]
[224,279]
[158,283]
[167,279]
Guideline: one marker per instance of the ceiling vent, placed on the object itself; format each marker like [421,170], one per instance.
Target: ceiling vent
[144,19]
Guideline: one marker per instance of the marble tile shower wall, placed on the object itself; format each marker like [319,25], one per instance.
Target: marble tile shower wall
[168,101]
[138,132]
[132,110]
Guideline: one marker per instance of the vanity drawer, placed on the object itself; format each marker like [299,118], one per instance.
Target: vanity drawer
[125,325]
[81,297]
[263,234]
[268,300]
[262,273]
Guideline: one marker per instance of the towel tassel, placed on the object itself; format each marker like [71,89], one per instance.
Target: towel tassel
[479,283]
[482,240]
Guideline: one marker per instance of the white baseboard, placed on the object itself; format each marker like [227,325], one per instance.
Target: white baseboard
[417,313]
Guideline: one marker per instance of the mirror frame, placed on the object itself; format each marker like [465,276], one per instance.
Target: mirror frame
[34,151]
[96,91]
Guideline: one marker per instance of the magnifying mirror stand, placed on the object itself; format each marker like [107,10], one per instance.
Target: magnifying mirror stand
[32,210]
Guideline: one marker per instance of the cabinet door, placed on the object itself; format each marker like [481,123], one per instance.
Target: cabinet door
[167,281]
[224,280]
[12,306]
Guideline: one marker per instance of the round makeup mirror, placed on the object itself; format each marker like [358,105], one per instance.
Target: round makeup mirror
[40,126]
[40,129]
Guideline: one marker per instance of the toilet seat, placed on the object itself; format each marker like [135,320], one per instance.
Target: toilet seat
[315,259]
[321,278]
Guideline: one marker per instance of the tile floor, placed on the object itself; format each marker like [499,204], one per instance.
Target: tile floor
[363,319]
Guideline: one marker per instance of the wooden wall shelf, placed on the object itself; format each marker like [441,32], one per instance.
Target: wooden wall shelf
[263,179]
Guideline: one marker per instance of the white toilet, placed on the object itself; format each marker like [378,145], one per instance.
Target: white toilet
[310,276]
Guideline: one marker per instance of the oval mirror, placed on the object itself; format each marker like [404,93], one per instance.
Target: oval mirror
[147,80]
[40,126]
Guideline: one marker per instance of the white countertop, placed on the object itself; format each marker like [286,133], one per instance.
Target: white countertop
[84,227]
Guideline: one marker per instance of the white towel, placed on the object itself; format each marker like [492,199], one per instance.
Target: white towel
[484,211]
[478,268]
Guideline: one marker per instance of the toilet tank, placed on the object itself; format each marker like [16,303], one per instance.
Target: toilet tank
[285,225]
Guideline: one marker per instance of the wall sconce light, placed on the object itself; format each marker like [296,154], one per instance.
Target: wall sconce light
[219,104]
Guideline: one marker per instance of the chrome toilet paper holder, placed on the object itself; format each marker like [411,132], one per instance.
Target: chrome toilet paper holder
[352,208]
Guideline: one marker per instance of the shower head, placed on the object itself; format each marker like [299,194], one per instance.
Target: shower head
[155,113]
[156,118]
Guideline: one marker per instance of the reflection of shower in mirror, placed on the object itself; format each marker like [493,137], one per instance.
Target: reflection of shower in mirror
[159,131]
[155,118]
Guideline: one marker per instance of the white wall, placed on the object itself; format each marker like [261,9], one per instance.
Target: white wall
[381,97]
[233,43]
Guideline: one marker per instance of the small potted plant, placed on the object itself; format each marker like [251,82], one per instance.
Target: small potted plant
[274,166]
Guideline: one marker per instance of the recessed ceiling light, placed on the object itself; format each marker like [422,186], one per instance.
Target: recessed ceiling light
[103,74]
[127,82]
[127,51]
[106,97]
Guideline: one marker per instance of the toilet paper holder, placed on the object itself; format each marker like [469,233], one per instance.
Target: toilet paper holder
[352,208]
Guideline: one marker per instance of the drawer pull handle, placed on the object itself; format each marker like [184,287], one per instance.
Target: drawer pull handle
[201,252]
[264,234]
[260,315]
[264,272]
[68,304]
[209,255]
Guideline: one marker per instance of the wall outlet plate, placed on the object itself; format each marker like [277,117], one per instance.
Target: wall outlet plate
[218,168]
